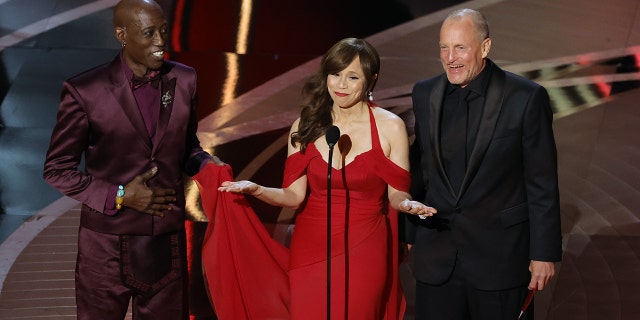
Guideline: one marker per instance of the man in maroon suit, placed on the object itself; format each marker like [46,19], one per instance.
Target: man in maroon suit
[134,121]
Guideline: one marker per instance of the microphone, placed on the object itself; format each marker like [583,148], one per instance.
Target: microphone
[332,135]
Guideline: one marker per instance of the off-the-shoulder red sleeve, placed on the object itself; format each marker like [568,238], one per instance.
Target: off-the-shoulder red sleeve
[391,173]
[295,166]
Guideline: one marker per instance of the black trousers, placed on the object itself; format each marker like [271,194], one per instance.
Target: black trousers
[457,300]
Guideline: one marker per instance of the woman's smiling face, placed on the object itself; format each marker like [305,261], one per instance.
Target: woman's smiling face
[346,86]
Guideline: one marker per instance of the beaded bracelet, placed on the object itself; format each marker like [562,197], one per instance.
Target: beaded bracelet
[119,197]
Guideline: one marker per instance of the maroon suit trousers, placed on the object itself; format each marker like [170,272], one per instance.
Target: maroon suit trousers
[101,293]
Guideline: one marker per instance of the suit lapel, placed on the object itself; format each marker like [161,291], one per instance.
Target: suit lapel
[436,101]
[124,95]
[490,113]
[166,106]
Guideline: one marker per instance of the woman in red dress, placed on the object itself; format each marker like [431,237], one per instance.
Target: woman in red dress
[370,184]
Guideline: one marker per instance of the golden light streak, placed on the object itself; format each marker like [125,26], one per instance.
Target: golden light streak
[243,27]
[230,85]
[231,81]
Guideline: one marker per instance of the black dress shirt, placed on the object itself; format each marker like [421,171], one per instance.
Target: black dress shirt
[461,114]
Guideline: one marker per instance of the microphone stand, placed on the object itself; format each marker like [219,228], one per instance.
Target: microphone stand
[332,136]
[329,233]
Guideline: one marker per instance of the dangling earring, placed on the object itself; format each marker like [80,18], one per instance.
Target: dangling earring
[370,95]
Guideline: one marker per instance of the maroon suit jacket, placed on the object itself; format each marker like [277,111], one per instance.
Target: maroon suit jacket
[99,119]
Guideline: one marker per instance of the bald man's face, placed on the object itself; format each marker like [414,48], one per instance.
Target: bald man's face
[145,34]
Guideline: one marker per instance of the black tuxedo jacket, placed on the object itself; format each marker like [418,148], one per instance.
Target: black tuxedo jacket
[507,210]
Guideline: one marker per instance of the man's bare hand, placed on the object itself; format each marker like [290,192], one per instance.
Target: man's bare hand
[153,201]
[541,273]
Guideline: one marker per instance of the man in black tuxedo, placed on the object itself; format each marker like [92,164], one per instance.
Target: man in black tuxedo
[488,165]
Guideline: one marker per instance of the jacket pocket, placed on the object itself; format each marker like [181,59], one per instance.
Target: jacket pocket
[514,215]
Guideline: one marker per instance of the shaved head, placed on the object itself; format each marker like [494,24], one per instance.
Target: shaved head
[125,11]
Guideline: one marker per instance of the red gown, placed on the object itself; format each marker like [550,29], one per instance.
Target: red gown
[251,276]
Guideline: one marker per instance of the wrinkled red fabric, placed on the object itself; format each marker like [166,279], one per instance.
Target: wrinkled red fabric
[245,269]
